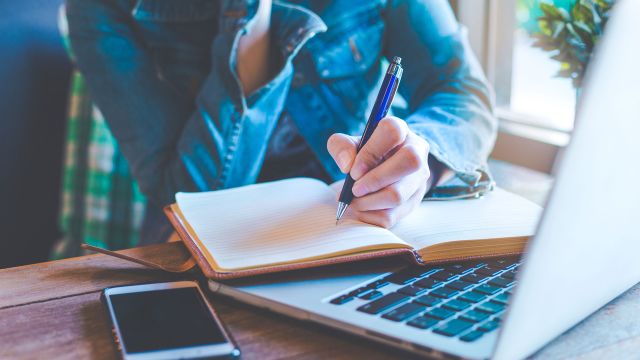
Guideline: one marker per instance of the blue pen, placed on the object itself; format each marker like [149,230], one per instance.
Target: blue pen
[380,109]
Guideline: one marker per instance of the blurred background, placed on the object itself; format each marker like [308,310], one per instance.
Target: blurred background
[518,51]
[535,90]
[33,101]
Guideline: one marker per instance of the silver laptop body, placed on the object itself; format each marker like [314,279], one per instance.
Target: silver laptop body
[586,250]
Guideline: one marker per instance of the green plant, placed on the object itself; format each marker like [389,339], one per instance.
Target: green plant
[572,35]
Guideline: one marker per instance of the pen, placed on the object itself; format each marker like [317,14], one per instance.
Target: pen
[380,109]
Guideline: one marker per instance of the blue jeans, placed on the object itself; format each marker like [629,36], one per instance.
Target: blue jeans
[163,74]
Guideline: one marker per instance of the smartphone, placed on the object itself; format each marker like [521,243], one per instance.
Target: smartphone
[170,320]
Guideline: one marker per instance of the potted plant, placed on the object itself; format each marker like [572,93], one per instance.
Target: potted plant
[570,35]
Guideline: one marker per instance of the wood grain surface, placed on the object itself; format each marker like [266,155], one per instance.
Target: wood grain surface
[53,310]
[56,279]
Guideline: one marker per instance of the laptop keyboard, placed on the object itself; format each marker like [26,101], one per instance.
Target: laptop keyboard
[464,300]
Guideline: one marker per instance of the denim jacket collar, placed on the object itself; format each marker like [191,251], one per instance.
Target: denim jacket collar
[293,25]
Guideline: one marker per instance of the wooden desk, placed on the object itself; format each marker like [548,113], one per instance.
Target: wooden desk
[52,310]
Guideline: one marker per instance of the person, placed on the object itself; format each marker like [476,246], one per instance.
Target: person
[214,94]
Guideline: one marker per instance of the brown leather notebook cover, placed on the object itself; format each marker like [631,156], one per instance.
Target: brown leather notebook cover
[411,256]
[209,272]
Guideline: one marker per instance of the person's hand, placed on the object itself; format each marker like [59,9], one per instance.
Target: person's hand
[391,171]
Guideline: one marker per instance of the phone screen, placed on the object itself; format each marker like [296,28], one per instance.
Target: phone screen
[164,319]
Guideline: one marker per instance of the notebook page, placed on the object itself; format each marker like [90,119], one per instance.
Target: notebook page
[496,215]
[275,222]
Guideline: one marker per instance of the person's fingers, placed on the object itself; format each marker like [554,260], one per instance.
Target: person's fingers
[343,150]
[388,217]
[390,132]
[410,158]
[390,196]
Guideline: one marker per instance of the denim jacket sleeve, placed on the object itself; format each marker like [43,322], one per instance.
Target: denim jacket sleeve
[169,146]
[450,102]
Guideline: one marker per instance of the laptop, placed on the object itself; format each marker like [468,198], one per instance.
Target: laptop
[584,254]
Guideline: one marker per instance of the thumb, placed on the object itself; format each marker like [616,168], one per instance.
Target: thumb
[343,150]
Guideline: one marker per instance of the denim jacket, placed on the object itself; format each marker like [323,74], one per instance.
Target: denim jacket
[163,73]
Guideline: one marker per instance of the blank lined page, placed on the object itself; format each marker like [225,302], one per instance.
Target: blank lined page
[498,214]
[274,223]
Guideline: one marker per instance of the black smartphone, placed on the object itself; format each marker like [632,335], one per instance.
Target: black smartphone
[170,320]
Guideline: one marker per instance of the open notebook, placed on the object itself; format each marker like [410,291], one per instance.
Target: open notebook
[290,224]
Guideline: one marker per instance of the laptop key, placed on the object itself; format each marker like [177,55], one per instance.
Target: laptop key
[504,263]
[378,284]
[472,336]
[472,297]
[501,299]
[423,322]
[402,277]
[512,265]
[459,285]
[440,313]
[456,305]
[422,271]
[427,300]
[444,275]
[404,312]
[474,278]
[453,327]
[371,295]
[460,268]
[443,292]
[501,282]
[383,303]
[359,291]
[489,270]
[489,326]
[509,275]
[490,307]
[412,290]
[341,300]
[487,289]
[428,283]
[474,316]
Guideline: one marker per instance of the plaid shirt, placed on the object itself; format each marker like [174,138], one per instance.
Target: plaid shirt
[101,202]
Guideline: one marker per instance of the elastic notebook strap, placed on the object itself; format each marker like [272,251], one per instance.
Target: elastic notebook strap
[180,268]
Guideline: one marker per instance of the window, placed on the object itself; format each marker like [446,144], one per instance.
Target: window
[528,92]
[536,91]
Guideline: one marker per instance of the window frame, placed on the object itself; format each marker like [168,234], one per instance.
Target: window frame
[538,145]
[483,20]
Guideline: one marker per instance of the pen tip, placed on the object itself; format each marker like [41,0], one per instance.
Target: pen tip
[341,209]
